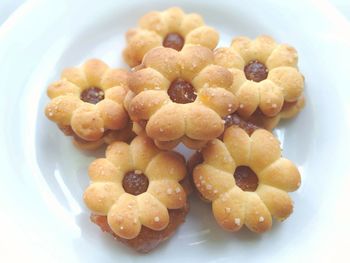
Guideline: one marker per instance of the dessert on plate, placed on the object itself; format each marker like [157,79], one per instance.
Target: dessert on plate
[87,104]
[170,28]
[268,83]
[246,179]
[180,96]
[136,193]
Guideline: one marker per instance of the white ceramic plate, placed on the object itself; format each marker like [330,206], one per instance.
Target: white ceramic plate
[43,218]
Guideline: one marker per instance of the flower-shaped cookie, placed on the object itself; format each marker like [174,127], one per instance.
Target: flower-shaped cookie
[246,179]
[266,75]
[88,101]
[171,28]
[135,185]
[180,96]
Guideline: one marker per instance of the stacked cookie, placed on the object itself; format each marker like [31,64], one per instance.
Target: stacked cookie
[221,102]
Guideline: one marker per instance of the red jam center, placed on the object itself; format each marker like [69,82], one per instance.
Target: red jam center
[92,95]
[255,71]
[174,41]
[135,183]
[246,179]
[181,91]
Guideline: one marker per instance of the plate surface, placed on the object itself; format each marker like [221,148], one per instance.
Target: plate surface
[43,176]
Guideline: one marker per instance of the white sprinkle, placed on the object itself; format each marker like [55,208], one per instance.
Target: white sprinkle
[135,221]
[102,129]
[121,228]
[161,130]
[198,185]
[230,105]
[50,114]
[215,191]
[201,177]
[241,106]
[156,219]
[274,105]
[130,206]
[177,190]
[238,221]
[138,172]
[169,191]
[261,219]
[227,210]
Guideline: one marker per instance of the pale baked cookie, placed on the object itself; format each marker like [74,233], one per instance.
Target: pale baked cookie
[180,96]
[266,78]
[246,179]
[136,186]
[87,103]
[171,28]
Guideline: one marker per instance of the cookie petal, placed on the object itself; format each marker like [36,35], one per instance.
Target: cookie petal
[63,87]
[139,43]
[172,17]
[257,216]
[166,165]
[204,36]
[211,182]
[265,149]
[119,154]
[123,217]
[102,170]
[282,55]
[238,143]
[271,98]
[87,122]
[164,60]
[116,94]
[146,103]
[100,196]
[213,76]
[228,58]
[154,21]
[194,59]
[169,192]
[282,174]
[114,77]
[167,123]
[153,214]
[220,100]
[248,97]
[75,76]
[277,201]
[94,70]
[229,209]
[113,114]
[217,155]
[61,108]
[290,80]
[147,79]
[189,23]
[142,150]
[202,123]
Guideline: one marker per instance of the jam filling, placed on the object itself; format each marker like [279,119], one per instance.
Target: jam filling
[234,119]
[255,71]
[174,41]
[135,183]
[246,179]
[181,91]
[92,95]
